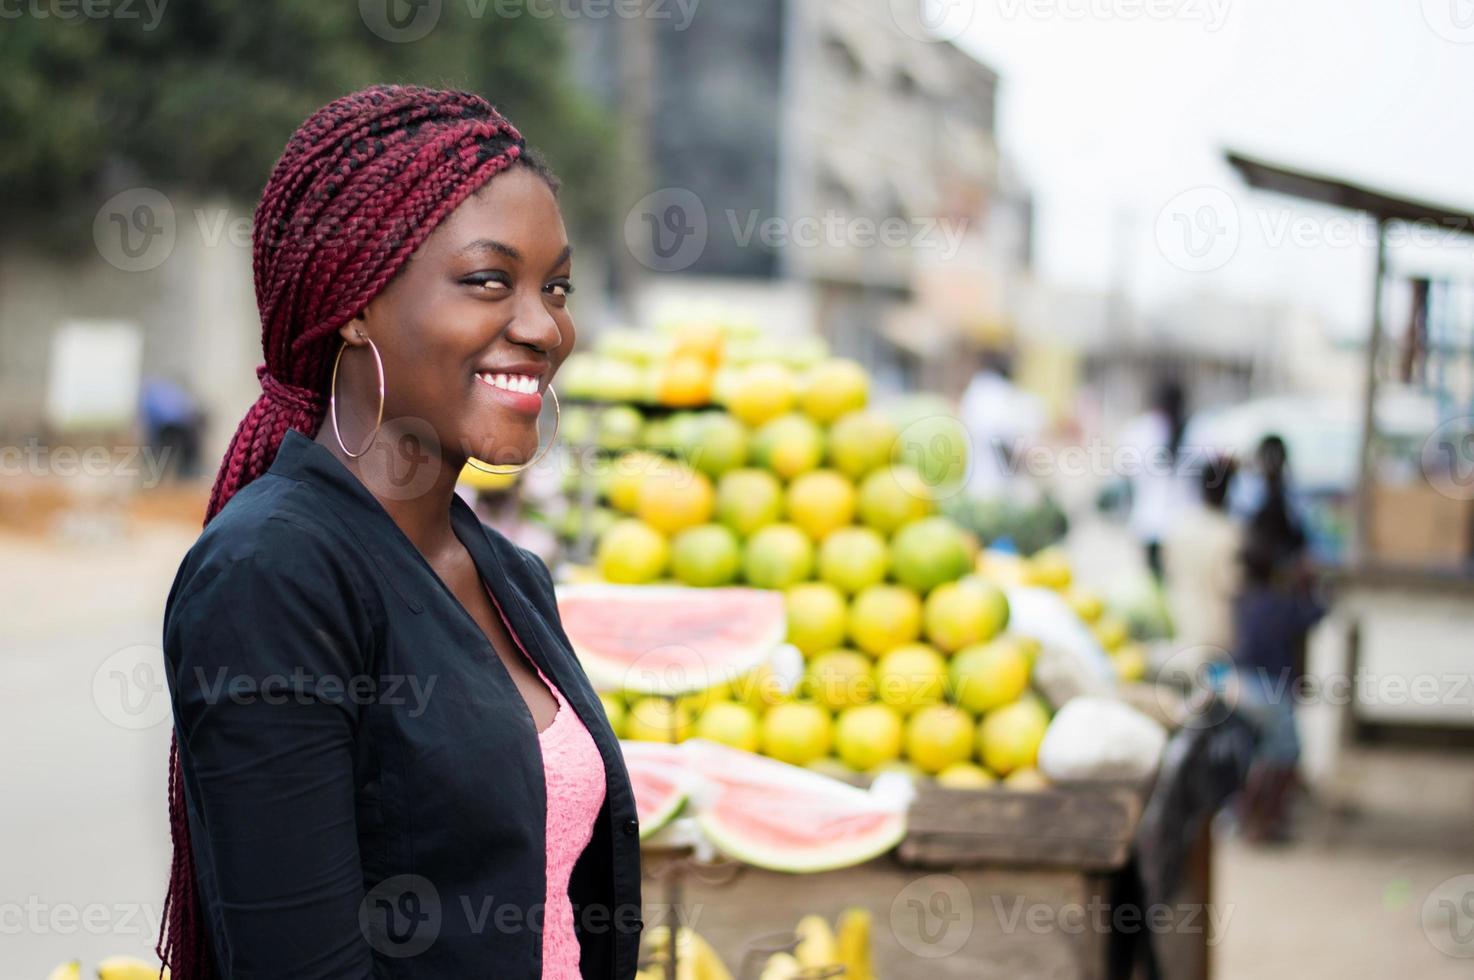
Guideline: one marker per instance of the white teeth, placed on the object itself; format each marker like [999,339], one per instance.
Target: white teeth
[522,383]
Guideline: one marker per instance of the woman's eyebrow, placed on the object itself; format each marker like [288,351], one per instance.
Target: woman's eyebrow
[510,251]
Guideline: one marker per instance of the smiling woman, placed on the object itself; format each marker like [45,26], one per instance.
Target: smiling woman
[413,275]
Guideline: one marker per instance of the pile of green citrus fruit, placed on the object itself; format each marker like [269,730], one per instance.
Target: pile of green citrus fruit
[792,481]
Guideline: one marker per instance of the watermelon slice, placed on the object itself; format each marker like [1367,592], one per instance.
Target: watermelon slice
[785,818]
[670,640]
[662,784]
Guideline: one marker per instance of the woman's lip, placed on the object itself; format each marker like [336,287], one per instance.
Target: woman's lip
[526,402]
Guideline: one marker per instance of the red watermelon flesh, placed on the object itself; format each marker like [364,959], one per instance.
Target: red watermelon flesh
[670,639]
[660,781]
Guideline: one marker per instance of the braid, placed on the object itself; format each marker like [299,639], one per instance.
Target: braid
[359,187]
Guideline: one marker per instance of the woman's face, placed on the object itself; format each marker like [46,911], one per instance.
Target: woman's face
[476,324]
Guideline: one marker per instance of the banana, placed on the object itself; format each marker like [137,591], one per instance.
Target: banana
[697,959]
[127,968]
[70,970]
[854,944]
[709,965]
[816,945]
[780,966]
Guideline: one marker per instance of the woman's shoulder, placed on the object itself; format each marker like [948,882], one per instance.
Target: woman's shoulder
[526,564]
[271,526]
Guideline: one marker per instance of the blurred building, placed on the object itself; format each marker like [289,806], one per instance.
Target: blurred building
[845,166]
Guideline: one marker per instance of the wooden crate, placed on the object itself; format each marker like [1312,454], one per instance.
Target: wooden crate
[1079,828]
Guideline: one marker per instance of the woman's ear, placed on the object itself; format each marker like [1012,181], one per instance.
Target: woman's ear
[353,331]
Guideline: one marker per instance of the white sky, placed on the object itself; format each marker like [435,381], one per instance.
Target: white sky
[1111,108]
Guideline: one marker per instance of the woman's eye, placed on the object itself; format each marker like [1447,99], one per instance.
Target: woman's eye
[488,281]
[560,288]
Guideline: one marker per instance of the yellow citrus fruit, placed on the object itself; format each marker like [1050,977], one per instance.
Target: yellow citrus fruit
[788,445]
[1050,568]
[1009,737]
[910,676]
[868,736]
[797,732]
[833,388]
[778,556]
[816,616]
[672,500]
[706,555]
[958,614]
[883,617]
[1026,780]
[893,497]
[820,502]
[653,720]
[614,711]
[840,678]
[984,676]
[860,442]
[854,558]
[628,471]
[938,736]
[699,339]
[1111,631]
[749,499]
[966,775]
[928,552]
[759,689]
[1087,605]
[632,552]
[1130,662]
[760,393]
[731,724]
[1002,567]
[685,382]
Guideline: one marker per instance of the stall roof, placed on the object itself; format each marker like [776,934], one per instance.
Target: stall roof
[1342,193]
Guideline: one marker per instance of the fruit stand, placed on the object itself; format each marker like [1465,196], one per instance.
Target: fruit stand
[730,498]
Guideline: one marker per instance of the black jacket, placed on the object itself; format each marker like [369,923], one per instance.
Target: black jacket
[363,778]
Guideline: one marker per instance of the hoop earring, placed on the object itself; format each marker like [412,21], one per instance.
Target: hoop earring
[508,471]
[333,399]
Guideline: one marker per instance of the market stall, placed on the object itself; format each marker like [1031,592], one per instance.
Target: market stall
[847,713]
[1395,655]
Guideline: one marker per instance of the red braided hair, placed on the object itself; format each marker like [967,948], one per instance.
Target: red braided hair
[359,187]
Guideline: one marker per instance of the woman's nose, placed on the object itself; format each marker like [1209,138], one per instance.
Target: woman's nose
[535,326]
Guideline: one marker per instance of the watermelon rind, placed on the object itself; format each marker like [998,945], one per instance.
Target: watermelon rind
[671,674]
[830,857]
[794,781]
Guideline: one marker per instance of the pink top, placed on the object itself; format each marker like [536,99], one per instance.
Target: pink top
[574,774]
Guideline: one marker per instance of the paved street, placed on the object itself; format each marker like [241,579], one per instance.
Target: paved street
[86,829]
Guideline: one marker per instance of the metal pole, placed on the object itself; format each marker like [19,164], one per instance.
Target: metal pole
[1369,405]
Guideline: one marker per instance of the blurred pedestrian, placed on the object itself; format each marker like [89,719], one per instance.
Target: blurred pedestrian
[1002,422]
[1273,614]
[1201,559]
[1158,489]
[172,423]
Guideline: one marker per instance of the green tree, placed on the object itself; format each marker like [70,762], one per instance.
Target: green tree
[203,98]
